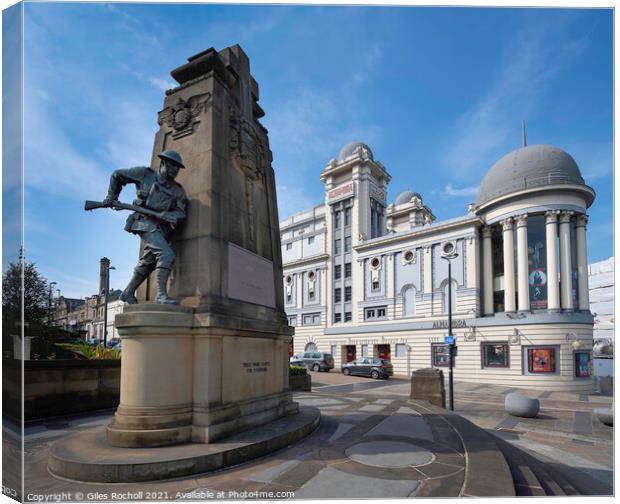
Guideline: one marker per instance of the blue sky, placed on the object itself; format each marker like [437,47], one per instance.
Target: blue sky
[437,93]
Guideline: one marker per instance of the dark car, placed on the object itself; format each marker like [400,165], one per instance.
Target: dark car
[316,361]
[369,366]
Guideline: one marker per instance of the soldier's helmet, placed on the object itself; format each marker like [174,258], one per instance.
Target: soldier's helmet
[172,156]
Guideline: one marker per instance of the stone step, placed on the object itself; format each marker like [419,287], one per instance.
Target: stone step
[531,475]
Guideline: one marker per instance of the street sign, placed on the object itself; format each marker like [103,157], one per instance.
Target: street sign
[449,339]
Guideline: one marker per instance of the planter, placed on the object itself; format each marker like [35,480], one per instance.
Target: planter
[300,382]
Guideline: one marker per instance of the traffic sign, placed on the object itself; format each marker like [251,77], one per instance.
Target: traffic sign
[449,339]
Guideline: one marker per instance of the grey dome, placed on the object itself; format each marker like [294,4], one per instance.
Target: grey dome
[526,168]
[405,197]
[353,148]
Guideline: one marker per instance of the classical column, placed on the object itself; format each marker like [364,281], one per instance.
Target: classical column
[509,266]
[522,264]
[487,271]
[582,262]
[566,279]
[553,287]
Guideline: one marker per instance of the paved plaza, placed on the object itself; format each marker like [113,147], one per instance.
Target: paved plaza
[372,442]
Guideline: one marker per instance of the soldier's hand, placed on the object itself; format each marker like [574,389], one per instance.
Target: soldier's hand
[109,201]
[169,217]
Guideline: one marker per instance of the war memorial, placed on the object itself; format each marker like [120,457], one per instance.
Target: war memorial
[210,361]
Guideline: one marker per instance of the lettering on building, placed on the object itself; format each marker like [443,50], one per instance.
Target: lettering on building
[443,324]
[341,192]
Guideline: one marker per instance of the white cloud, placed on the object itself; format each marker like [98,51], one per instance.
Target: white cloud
[162,84]
[292,200]
[463,191]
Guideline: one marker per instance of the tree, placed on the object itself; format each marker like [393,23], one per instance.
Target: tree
[35,293]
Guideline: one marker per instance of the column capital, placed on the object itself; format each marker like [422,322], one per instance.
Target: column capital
[551,216]
[507,224]
[565,216]
[581,220]
[522,220]
[487,231]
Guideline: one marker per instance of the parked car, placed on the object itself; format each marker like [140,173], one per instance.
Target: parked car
[369,366]
[316,361]
[296,362]
[114,342]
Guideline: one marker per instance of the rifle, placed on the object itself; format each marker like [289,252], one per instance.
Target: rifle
[92,205]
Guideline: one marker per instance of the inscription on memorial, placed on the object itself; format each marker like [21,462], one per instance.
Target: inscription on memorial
[256,367]
[250,277]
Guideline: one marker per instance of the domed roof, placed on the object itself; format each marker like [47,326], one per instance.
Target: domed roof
[353,148]
[526,168]
[405,197]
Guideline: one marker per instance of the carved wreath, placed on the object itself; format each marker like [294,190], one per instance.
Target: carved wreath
[184,112]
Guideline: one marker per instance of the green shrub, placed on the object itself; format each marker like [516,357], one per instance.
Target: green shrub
[297,370]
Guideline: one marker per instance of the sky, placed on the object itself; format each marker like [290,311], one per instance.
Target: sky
[437,93]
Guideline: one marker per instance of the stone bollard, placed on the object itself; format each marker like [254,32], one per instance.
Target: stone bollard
[428,385]
[521,406]
[605,416]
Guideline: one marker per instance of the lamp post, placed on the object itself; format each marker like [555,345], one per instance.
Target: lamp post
[105,305]
[448,252]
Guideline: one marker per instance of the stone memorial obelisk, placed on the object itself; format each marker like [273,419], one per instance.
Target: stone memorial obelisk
[217,363]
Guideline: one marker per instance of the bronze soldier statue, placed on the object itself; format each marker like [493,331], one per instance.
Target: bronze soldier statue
[164,202]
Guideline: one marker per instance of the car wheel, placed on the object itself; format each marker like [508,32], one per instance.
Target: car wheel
[346,371]
[374,375]
[316,368]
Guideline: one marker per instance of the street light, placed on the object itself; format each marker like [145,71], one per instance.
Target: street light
[448,252]
[105,305]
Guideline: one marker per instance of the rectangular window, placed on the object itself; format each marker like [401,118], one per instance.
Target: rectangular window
[495,355]
[289,298]
[337,219]
[347,244]
[582,364]
[347,270]
[310,240]
[311,296]
[289,246]
[311,319]
[364,350]
[337,317]
[347,216]
[337,272]
[347,316]
[440,354]
[376,312]
[347,293]
[292,321]
[337,246]
[401,350]
[375,285]
[541,360]
[337,295]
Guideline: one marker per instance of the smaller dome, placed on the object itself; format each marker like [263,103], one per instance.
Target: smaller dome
[405,197]
[354,147]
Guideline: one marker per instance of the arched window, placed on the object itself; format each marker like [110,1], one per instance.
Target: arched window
[444,297]
[311,347]
[408,301]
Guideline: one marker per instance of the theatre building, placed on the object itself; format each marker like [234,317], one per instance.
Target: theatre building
[366,278]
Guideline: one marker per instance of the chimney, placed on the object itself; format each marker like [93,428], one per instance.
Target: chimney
[104,265]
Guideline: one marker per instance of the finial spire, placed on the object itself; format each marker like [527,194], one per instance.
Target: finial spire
[523,139]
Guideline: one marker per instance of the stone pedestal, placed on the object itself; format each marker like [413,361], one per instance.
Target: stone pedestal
[156,377]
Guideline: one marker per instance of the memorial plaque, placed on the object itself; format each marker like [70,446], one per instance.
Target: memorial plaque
[250,277]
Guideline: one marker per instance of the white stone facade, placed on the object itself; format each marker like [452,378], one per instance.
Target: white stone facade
[364,277]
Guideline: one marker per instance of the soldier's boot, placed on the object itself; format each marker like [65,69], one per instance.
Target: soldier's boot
[162,291]
[129,294]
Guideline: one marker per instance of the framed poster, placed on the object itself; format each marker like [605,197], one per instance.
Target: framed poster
[440,354]
[538,288]
[582,364]
[495,355]
[541,360]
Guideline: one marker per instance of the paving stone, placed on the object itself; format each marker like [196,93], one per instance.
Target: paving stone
[403,410]
[354,417]
[318,401]
[372,407]
[299,474]
[389,454]
[342,429]
[582,424]
[403,425]
[330,483]
[383,401]
[272,473]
